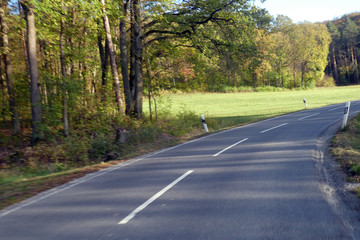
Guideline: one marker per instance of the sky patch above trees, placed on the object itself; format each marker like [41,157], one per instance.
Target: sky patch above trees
[309,10]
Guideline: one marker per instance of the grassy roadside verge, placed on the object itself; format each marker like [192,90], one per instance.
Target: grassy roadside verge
[179,120]
[345,147]
[18,190]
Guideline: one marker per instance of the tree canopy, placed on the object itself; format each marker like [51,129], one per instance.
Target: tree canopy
[343,58]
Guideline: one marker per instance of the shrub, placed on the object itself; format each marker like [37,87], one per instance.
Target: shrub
[326,81]
[218,88]
[245,89]
[147,133]
[76,150]
[355,168]
[184,122]
[223,88]
[100,146]
[270,89]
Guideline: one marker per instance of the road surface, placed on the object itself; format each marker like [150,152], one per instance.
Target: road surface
[266,180]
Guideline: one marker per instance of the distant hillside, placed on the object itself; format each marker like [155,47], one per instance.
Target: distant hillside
[353,16]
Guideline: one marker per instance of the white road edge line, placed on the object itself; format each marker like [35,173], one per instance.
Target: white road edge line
[273,128]
[56,190]
[81,180]
[217,154]
[308,116]
[153,198]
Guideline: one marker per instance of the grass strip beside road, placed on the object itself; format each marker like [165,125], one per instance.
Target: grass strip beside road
[21,189]
[346,148]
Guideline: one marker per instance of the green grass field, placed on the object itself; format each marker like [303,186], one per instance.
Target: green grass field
[232,109]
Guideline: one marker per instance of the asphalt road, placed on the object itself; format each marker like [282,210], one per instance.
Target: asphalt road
[266,180]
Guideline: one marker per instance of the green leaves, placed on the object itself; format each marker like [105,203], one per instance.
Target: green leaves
[299,50]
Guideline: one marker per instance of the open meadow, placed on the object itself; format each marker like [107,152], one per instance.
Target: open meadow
[231,109]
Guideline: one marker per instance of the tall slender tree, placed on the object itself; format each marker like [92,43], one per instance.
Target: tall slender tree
[8,70]
[335,36]
[136,75]
[118,92]
[2,96]
[35,99]
[104,56]
[65,117]
[350,34]
[124,59]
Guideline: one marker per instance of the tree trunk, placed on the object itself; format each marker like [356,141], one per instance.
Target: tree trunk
[23,38]
[70,39]
[357,68]
[148,75]
[294,75]
[104,55]
[132,57]
[124,62]
[354,61]
[335,68]
[118,95]
[254,79]
[35,98]
[64,76]
[45,66]
[302,77]
[3,100]
[303,71]
[347,67]
[8,72]
[136,44]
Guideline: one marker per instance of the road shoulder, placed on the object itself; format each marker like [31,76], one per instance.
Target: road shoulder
[333,184]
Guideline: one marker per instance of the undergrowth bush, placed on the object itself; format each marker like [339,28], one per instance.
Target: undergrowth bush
[97,141]
[147,133]
[326,81]
[76,150]
[100,146]
[222,88]
[271,89]
[184,122]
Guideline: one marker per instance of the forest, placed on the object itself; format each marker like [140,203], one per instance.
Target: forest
[74,74]
[344,50]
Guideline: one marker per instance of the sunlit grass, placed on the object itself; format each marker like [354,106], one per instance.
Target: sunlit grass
[346,148]
[229,109]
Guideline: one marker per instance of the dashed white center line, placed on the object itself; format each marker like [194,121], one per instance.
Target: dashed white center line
[273,128]
[217,154]
[153,198]
[308,116]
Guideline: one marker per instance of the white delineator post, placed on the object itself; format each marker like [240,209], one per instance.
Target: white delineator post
[306,106]
[346,115]
[204,123]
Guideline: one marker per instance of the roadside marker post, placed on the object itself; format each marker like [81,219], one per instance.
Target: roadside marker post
[346,115]
[204,123]
[306,106]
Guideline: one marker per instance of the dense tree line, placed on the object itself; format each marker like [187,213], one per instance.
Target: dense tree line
[344,50]
[89,59]
[65,49]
